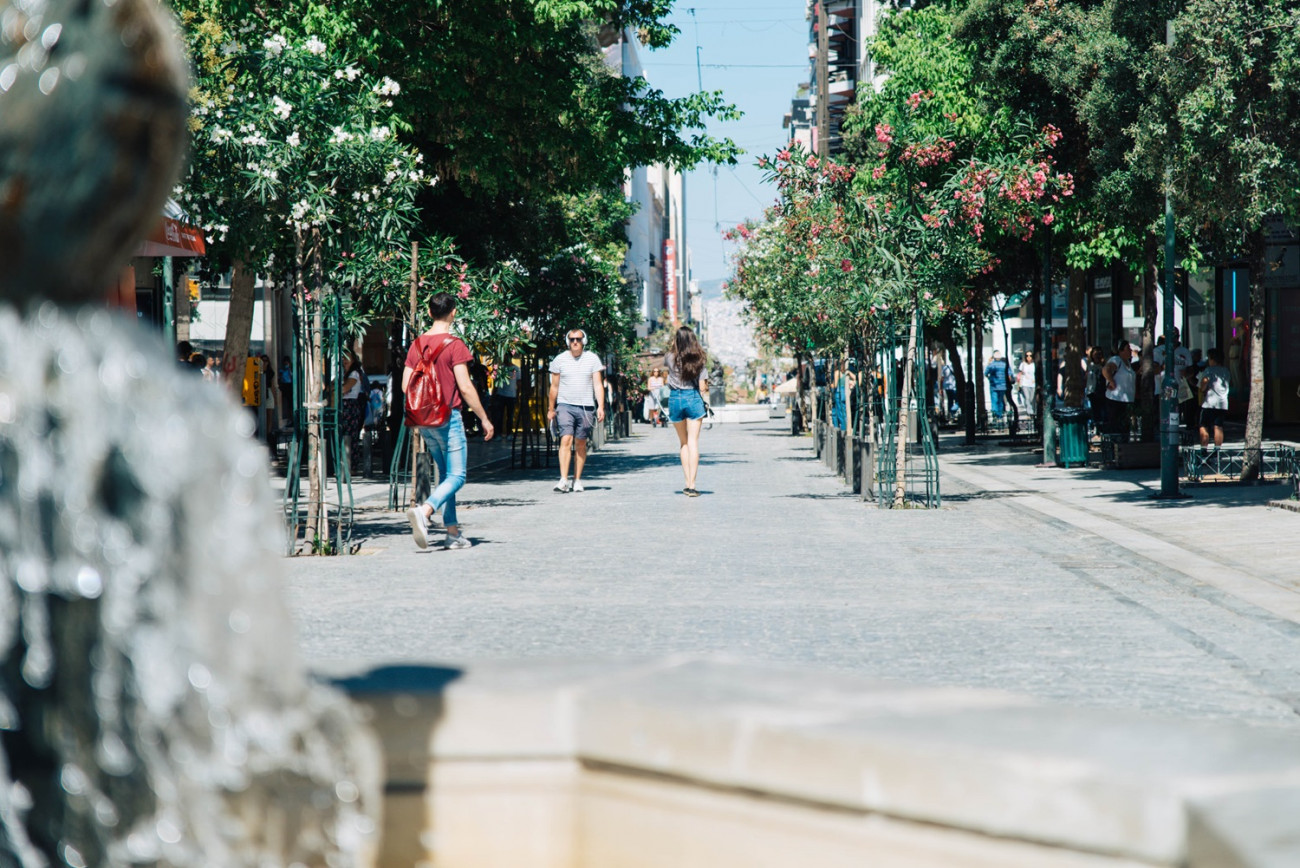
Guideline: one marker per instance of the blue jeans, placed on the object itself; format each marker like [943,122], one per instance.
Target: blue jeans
[998,400]
[446,447]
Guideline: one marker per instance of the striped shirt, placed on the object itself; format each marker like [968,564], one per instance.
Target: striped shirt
[576,385]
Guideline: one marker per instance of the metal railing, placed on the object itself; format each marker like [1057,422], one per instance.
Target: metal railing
[320,324]
[921,469]
[1277,461]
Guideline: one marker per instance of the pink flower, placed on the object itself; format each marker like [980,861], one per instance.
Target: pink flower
[846,266]
[464,290]
[811,162]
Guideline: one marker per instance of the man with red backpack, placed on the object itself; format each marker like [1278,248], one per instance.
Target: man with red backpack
[436,381]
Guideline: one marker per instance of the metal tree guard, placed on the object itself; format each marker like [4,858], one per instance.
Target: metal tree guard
[921,473]
[328,312]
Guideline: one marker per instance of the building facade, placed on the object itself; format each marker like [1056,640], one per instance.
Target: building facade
[658,262]
[851,25]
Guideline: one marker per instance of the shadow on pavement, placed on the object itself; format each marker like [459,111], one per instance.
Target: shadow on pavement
[1111,485]
[838,495]
[971,496]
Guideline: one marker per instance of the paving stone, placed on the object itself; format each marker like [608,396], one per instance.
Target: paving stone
[778,562]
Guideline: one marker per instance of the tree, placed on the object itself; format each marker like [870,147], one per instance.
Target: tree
[911,228]
[295,161]
[512,103]
[1225,122]
[1081,66]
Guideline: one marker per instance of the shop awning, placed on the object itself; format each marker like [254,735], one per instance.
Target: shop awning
[173,238]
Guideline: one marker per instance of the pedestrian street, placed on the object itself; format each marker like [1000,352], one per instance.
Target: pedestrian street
[779,562]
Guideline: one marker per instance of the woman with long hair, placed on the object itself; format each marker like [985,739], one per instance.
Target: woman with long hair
[688,383]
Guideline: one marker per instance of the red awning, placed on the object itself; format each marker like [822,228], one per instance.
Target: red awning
[173,238]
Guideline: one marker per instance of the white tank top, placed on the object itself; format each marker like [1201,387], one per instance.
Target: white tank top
[1125,382]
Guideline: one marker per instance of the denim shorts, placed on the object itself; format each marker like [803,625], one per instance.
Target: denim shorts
[685,404]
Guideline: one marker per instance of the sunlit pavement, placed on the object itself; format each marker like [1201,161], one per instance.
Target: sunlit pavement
[1066,585]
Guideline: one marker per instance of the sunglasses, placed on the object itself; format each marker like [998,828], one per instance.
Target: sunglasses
[575,340]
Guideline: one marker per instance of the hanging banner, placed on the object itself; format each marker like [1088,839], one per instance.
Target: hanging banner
[670,278]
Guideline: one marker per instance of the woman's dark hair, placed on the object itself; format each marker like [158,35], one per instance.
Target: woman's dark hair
[1215,356]
[442,304]
[688,354]
[354,360]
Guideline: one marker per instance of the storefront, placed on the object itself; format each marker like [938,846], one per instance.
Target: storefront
[148,285]
[1212,310]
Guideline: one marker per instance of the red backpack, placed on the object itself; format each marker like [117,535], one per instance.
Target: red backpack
[426,406]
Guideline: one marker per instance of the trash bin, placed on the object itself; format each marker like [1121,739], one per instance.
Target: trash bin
[1071,436]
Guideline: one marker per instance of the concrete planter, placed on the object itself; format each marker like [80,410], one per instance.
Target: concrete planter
[698,763]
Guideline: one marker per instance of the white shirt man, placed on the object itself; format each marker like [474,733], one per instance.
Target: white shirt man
[577,388]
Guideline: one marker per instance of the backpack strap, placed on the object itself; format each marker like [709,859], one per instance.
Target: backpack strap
[429,363]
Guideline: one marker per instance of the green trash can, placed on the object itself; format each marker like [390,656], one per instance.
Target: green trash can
[1071,436]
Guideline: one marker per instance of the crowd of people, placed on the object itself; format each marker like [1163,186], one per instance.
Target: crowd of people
[1111,383]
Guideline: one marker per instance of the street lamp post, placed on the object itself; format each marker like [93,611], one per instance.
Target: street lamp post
[1169,428]
[968,398]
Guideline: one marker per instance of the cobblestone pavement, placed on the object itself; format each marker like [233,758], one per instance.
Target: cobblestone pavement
[778,561]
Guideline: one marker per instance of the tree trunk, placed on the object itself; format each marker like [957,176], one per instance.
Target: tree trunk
[416,448]
[904,403]
[307,373]
[319,362]
[1147,398]
[1255,255]
[980,408]
[949,341]
[1073,383]
[317,518]
[801,391]
[239,326]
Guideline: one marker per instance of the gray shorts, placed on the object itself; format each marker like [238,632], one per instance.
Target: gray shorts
[575,421]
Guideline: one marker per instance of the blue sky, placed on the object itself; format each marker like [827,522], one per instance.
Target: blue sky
[756,53]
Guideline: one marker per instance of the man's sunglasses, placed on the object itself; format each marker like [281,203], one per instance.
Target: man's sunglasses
[575,340]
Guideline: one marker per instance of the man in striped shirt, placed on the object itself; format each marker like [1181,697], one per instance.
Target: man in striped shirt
[577,388]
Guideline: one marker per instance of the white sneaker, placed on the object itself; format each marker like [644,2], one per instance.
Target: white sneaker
[460,541]
[577,485]
[419,526]
[562,485]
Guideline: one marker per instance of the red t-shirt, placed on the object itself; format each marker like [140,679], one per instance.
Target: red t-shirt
[455,354]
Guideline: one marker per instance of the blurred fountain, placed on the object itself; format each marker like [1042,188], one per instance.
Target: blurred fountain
[152,706]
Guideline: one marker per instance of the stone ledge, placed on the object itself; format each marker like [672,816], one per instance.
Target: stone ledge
[1255,829]
[1105,784]
[731,414]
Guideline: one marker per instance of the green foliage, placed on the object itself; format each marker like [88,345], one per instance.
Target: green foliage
[909,229]
[1225,117]
[515,111]
[577,288]
[289,137]
[919,54]
[1078,65]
